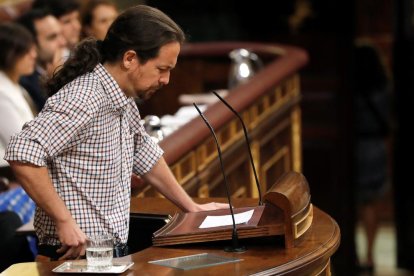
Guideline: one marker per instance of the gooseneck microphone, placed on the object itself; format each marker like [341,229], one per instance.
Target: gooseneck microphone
[246,136]
[234,237]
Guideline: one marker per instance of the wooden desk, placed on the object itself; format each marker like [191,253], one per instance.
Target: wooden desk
[263,256]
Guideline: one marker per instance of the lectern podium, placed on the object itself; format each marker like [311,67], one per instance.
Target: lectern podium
[287,211]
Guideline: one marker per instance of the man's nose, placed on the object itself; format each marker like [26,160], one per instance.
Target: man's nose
[165,78]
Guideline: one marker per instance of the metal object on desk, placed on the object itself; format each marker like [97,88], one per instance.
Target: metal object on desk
[244,65]
[153,126]
[81,266]
[195,261]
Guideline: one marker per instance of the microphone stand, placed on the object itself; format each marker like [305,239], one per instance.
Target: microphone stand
[234,237]
[247,144]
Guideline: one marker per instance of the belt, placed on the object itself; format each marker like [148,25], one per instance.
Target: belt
[120,250]
[49,251]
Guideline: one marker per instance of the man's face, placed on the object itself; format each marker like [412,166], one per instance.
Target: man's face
[49,38]
[144,79]
[71,28]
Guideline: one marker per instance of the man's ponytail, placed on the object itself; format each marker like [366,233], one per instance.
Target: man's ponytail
[84,58]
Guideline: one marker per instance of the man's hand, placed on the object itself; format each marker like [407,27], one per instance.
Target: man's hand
[211,206]
[72,238]
[38,185]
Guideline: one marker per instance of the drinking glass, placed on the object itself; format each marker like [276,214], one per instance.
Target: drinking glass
[99,251]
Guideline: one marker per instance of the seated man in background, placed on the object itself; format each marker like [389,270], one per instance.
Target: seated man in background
[50,45]
[67,13]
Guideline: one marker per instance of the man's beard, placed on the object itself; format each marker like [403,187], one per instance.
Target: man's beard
[148,93]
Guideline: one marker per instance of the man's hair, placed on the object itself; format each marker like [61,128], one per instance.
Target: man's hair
[143,29]
[15,41]
[57,7]
[140,28]
[28,19]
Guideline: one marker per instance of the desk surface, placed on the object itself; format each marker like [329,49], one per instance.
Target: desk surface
[263,256]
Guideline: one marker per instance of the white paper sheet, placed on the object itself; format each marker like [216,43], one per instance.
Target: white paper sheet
[216,221]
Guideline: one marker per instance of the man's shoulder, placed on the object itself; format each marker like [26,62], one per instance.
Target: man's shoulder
[88,80]
[85,90]
[86,86]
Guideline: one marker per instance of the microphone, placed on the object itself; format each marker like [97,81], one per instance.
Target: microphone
[234,237]
[246,136]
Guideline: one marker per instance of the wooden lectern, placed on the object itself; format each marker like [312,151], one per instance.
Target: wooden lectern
[287,211]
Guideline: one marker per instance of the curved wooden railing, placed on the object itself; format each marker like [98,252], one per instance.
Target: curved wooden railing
[287,62]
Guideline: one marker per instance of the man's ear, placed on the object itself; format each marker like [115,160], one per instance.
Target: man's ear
[129,59]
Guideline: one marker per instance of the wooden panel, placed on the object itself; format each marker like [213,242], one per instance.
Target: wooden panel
[272,138]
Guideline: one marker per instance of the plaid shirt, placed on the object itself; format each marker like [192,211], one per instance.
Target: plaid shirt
[90,137]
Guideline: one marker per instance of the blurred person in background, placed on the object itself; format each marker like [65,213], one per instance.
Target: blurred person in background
[50,45]
[96,17]
[17,58]
[372,119]
[67,13]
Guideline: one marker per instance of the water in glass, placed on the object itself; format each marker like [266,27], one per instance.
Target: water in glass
[99,251]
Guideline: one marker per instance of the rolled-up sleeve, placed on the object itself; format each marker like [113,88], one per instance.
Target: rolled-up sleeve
[147,153]
[49,133]
[25,150]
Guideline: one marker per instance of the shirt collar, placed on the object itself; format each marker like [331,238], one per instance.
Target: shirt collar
[111,88]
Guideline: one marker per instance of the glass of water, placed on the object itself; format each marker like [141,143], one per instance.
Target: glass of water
[99,251]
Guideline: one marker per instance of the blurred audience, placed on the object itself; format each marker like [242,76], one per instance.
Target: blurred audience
[96,17]
[67,12]
[50,44]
